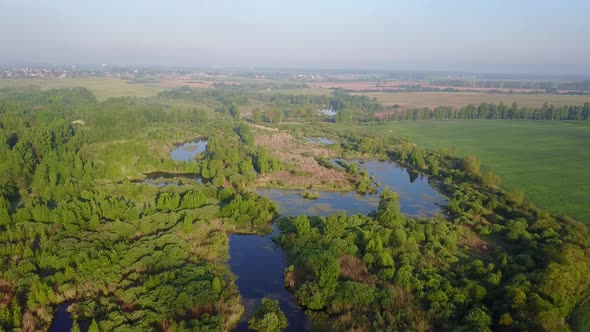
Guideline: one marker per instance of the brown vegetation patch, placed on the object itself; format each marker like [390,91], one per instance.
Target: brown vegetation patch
[390,85]
[353,268]
[475,242]
[126,306]
[232,310]
[6,293]
[173,83]
[199,311]
[29,321]
[295,277]
[299,156]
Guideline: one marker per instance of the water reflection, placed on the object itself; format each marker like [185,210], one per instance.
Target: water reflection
[259,264]
[417,197]
[188,151]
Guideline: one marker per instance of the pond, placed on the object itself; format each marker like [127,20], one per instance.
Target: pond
[416,195]
[320,140]
[188,151]
[259,263]
[185,152]
[62,321]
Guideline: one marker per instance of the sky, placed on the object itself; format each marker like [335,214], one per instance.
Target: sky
[501,36]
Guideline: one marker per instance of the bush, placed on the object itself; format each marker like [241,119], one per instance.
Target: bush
[268,317]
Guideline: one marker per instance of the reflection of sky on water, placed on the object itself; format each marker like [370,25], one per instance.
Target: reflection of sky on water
[320,140]
[188,151]
[417,197]
[259,264]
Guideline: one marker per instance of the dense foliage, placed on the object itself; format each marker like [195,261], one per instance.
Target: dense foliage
[78,225]
[495,263]
[268,317]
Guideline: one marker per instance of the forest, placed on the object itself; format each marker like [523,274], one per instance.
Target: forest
[79,226]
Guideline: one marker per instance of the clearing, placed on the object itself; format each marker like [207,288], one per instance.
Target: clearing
[303,171]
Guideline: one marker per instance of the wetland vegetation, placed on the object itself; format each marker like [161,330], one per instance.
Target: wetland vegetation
[158,214]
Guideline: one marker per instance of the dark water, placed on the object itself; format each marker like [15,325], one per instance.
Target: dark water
[259,264]
[162,179]
[188,151]
[416,195]
[184,152]
[62,321]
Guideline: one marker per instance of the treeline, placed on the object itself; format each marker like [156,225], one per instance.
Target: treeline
[495,111]
[494,263]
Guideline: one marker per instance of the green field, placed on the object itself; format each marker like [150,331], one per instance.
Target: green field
[581,317]
[549,161]
[103,88]
[460,99]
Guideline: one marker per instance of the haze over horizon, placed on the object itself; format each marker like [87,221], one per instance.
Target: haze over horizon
[542,37]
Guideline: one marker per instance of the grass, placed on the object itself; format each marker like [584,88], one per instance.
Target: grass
[103,88]
[581,317]
[459,99]
[548,160]
[302,91]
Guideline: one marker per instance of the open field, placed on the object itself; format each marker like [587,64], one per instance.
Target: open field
[460,99]
[103,88]
[300,91]
[581,317]
[389,85]
[548,160]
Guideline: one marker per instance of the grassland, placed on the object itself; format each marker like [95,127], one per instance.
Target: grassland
[301,91]
[549,161]
[581,317]
[103,88]
[460,99]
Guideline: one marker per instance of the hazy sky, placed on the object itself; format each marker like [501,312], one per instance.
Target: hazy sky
[523,36]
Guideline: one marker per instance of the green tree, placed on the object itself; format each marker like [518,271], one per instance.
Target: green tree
[472,166]
[268,317]
[274,115]
[93,327]
[75,326]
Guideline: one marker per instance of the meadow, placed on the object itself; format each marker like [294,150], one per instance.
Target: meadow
[460,99]
[580,318]
[103,88]
[547,160]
